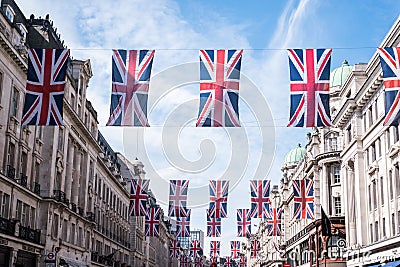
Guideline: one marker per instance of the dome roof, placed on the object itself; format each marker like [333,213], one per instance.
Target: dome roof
[339,75]
[137,162]
[295,155]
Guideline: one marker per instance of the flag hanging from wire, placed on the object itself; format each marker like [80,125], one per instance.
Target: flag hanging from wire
[218,199]
[309,87]
[303,199]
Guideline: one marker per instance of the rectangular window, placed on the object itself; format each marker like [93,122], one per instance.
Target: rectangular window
[73,101]
[24,214]
[72,234]
[24,162]
[80,236]
[87,240]
[393,225]
[5,205]
[64,229]
[378,147]
[32,217]
[390,180]
[388,144]
[373,153]
[54,228]
[376,231]
[338,206]
[349,136]
[382,191]
[18,210]
[60,139]
[397,179]
[383,227]
[336,174]
[14,102]
[371,233]
[374,194]
[10,154]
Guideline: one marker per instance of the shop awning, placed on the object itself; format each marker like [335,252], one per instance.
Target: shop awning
[392,264]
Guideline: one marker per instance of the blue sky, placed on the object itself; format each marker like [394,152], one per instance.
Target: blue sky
[173,148]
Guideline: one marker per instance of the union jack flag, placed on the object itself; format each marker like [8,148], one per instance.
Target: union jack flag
[228,262]
[255,248]
[213,226]
[183,225]
[45,84]
[178,190]
[195,248]
[390,62]
[259,197]
[309,87]
[152,222]
[243,261]
[184,261]
[198,262]
[131,70]
[243,222]
[219,88]
[303,199]
[138,197]
[215,249]
[174,249]
[274,224]
[235,249]
[218,199]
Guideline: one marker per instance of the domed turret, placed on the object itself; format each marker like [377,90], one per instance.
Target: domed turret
[295,155]
[339,75]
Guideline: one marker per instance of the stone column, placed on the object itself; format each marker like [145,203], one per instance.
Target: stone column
[351,203]
[77,174]
[13,256]
[69,173]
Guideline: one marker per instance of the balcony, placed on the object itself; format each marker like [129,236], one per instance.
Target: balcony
[23,180]
[7,226]
[10,172]
[73,207]
[36,188]
[29,234]
[80,211]
[90,216]
[60,196]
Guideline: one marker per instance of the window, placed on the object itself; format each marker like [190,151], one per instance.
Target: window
[338,206]
[80,236]
[24,214]
[382,190]
[9,12]
[333,249]
[18,210]
[24,160]
[370,116]
[373,153]
[378,147]
[32,217]
[79,109]
[87,240]
[23,30]
[390,180]
[393,226]
[54,227]
[388,144]
[60,139]
[5,205]
[349,137]
[14,102]
[64,229]
[369,198]
[374,194]
[336,174]
[376,231]
[10,155]
[383,227]
[333,144]
[73,101]
[72,234]
[371,233]
[39,132]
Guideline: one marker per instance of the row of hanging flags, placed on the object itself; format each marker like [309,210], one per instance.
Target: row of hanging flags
[303,198]
[219,87]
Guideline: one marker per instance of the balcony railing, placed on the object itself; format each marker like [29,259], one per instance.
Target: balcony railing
[80,211]
[36,188]
[90,216]
[23,179]
[29,234]
[60,196]
[73,207]
[7,226]
[10,172]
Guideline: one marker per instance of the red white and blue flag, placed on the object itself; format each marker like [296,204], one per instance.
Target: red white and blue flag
[215,247]
[218,199]
[235,249]
[131,70]
[219,88]
[195,248]
[198,262]
[255,248]
[390,63]
[213,226]
[243,261]
[274,224]
[303,199]
[178,190]
[260,200]
[243,222]
[309,87]
[152,222]
[228,262]
[174,249]
[138,197]
[45,84]
[183,225]
[184,262]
